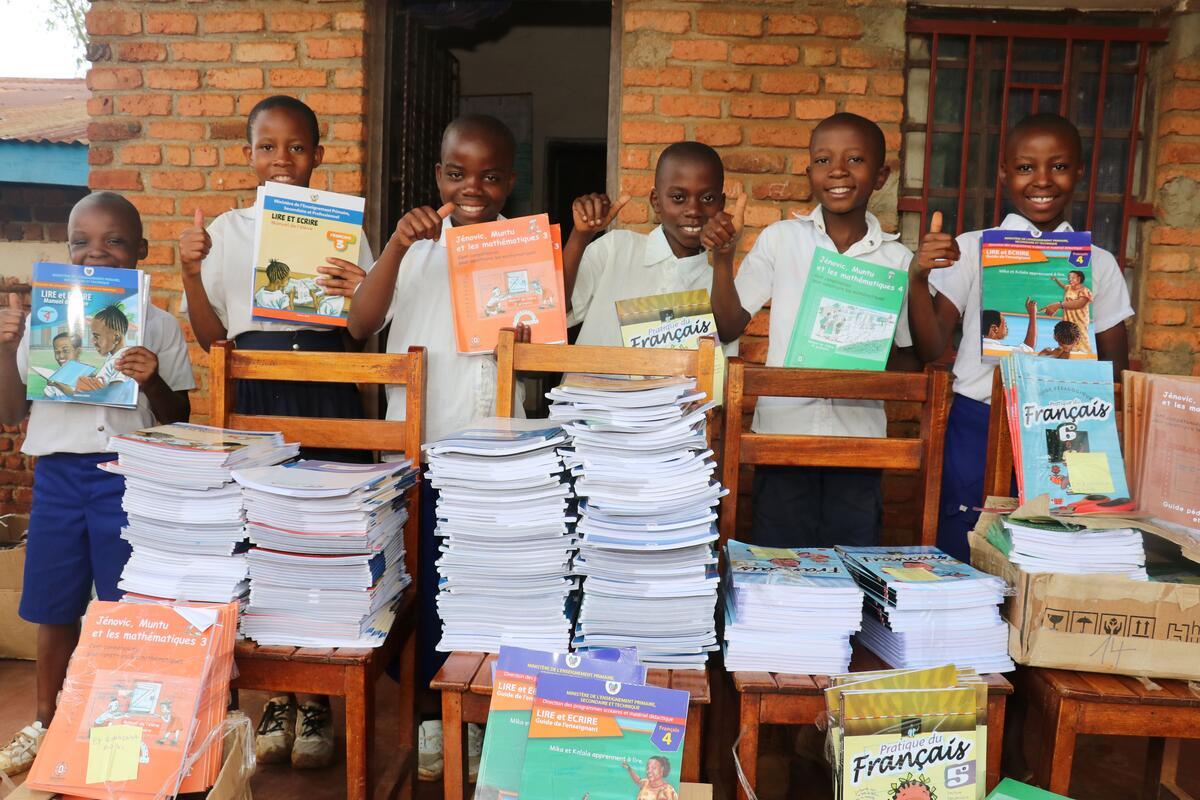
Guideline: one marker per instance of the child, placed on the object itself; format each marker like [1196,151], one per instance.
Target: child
[996,328]
[1068,338]
[688,181]
[277,293]
[1040,168]
[284,146]
[76,519]
[67,349]
[794,506]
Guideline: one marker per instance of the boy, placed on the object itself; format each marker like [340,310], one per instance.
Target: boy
[996,328]
[806,507]
[67,348]
[1040,168]
[688,191]
[76,519]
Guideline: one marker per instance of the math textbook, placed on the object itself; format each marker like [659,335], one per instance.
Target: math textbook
[848,314]
[1037,294]
[603,740]
[503,274]
[82,319]
[513,687]
[298,228]
[673,321]
[1169,485]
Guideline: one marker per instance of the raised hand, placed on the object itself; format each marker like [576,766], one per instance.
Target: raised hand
[421,223]
[12,323]
[194,244]
[595,212]
[938,250]
[722,229]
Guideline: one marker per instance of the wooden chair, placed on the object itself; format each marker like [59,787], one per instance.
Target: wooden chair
[345,672]
[465,680]
[781,699]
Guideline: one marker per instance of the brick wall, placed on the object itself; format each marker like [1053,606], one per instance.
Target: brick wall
[36,213]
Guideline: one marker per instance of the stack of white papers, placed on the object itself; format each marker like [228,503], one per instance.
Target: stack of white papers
[328,565]
[503,518]
[643,473]
[186,524]
[1073,549]
[789,610]
[925,608]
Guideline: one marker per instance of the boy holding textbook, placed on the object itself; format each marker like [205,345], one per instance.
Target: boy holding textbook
[1040,168]
[800,506]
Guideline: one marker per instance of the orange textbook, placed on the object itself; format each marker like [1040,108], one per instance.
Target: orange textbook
[503,274]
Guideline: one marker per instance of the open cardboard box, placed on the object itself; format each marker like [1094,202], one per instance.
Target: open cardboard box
[18,638]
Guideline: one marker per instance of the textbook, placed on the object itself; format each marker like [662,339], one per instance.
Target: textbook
[673,321]
[1167,467]
[848,314]
[82,319]
[503,274]
[298,228]
[602,740]
[513,688]
[1036,294]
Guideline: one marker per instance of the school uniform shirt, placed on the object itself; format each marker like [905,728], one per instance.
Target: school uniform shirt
[228,273]
[458,388]
[776,269]
[58,427]
[960,283]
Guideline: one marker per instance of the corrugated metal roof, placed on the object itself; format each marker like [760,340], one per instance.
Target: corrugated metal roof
[44,109]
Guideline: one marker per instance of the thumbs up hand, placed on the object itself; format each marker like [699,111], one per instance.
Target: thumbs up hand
[12,323]
[722,229]
[938,250]
[421,223]
[594,212]
[194,244]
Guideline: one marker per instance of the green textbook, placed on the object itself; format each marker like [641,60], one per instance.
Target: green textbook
[1008,789]
[848,314]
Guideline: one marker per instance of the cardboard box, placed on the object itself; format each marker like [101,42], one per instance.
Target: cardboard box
[695,791]
[1095,623]
[18,638]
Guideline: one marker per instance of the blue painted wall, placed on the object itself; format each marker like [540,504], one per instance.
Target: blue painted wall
[53,163]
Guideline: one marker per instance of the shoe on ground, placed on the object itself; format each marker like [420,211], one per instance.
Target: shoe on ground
[314,737]
[429,751]
[276,731]
[18,755]
[474,750]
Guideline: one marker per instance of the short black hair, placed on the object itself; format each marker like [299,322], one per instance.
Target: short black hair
[1054,123]
[869,129]
[663,762]
[277,270]
[76,341]
[1066,332]
[485,125]
[114,318]
[989,318]
[289,103]
[694,152]
[1078,272]
[115,203]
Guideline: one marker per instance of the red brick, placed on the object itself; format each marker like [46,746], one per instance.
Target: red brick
[102,78]
[699,50]
[1188,237]
[201,51]
[164,230]
[843,83]
[115,179]
[177,180]
[841,27]
[686,105]
[290,77]
[204,155]
[1170,261]
[677,77]
[637,184]
[293,21]
[211,204]
[348,78]
[265,51]
[637,103]
[860,58]
[635,158]
[1171,339]
[635,213]
[99,106]
[814,108]
[665,21]
[233,22]
[1180,123]
[141,154]
[759,107]
[349,21]
[888,85]
[227,129]
[775,54]
[170,22]
[651,132]
[144,105]
[176,79]
[112,131]
[759,216]
[234,78]
[726,81]
[1173,288]
[1179,153]
[205,105]
[721,23]
[782,190]
[350,182]
[334,47]
[819,55]
[141,51]
[112,23]
[780,135]
[876,110]
[99,155]
[789,82]
[233,154]
[192,131]
[719,134]
[348,131]
[247,101]
[1164,314]
[161,255]
[343,103]
[791,24]
[343,154]
[755,163]
[177,155]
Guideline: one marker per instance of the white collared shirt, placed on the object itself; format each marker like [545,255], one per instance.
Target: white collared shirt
[776,269]
[228,273]
[56,426]
[458,387]
[960,283]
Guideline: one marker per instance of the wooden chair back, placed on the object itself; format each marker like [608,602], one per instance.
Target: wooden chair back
[746,382]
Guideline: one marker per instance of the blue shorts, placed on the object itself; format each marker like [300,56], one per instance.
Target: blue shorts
[74,538]
[963,466]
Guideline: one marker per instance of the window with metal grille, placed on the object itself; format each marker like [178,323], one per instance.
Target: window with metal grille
[969,81]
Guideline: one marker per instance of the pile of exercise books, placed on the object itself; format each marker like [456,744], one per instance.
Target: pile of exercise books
[327,566]
[185,519]
[923,607]
[142,704]
[1063,547]
[643,473]
[908,733]
[806,592]
[503,517]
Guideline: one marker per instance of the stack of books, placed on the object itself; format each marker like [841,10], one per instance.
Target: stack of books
[185,520]
[923,607]
[643,473]
[504,521]
[807,594]
[1063,547]
[328,562]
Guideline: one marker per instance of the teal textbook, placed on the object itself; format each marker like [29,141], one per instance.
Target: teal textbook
[513,686]
[603,740]
[848,314]
[1008,789]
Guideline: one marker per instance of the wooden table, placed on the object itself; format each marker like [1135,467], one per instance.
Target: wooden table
[465,681]
[776,698]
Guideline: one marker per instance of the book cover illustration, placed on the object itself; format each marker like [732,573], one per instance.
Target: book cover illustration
[503,274]
[1169,489]
[298,228]
[603,740]
[1037,294]
[784,566]
[82,319]
[882,569]
[201,438]
[672,321]
[848,314]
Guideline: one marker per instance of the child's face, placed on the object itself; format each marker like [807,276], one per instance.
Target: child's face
[282,149]
[99,236]
[998,331]
[105,339]
[686,194]
[1040,170]
[64,350]
[476,174]
[844,168]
